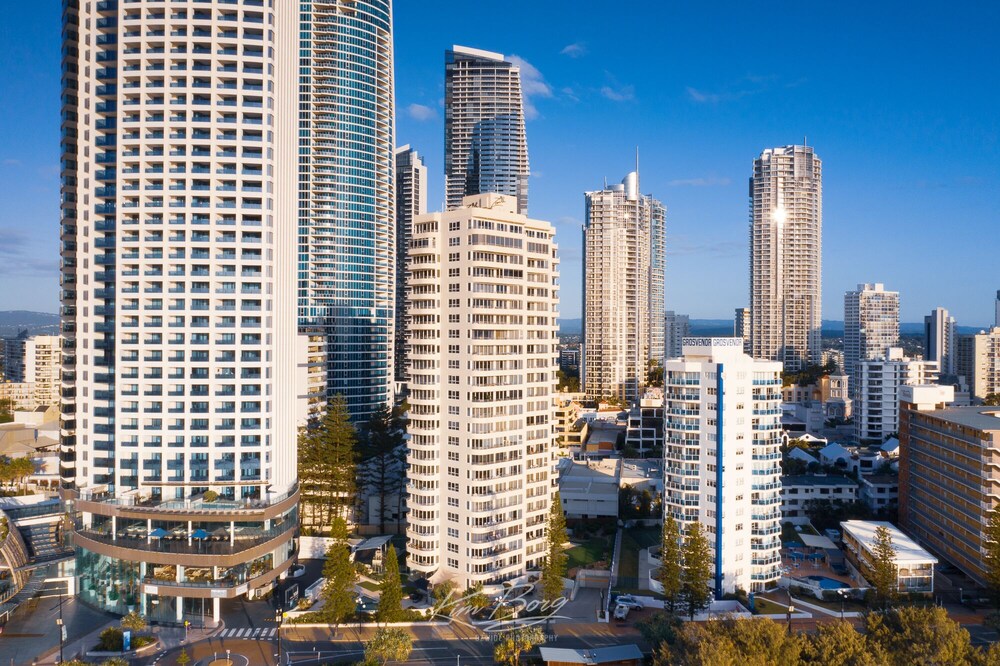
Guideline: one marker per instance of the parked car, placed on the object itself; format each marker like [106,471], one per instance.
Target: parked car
[621,612]
[631,602]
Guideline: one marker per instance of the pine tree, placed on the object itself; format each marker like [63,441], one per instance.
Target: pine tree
[328,464]
[554,567]
[383,455]
[338,570]
[882,568]
[991,560]
[390,603]
[697,573]
[671,569]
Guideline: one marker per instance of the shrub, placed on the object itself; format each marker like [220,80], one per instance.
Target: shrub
[110,640]
[210,496]
[142,641]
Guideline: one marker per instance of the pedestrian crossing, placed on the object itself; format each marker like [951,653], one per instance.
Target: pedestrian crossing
[249,633]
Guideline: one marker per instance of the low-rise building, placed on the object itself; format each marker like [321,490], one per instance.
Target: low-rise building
[914,565]
[879,491]
[613,655]
[645,423]
[589,489]
[798,490]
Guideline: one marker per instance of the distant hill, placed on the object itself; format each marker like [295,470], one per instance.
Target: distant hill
[13,322]
[832,328]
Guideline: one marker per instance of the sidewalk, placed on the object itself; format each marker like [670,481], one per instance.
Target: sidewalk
[170,637]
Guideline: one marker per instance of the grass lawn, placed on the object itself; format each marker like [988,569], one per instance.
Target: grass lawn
[788,533]
[762,606]
[634,540]
[597,549]
[849,605]
[368,585]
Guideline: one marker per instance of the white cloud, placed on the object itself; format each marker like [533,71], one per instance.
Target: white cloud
[420,112]
[533,84]
[699,182]
[619,93]
[575,50]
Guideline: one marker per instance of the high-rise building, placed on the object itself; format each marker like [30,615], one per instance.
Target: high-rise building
[485,144]
[940,340]
[871,323]
[34,360]
[722,435]
[483,346]
[978,361]
[623,317]
[948,481]
[676,328]
[741,327]
[786,244]
[996,320]
[179,179]
[876,392]
[411,200]
[347,237]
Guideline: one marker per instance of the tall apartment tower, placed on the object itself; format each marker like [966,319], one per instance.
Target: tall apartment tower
[996,320]
[347,237]
[978,360]
[741,326]
[411,200]
[35,361]
[940,340]
[871,324]
[483,337]
[623,316]
[877,389]
[178,243]
[786,224]
[676,328]
[485,144]
[722,433]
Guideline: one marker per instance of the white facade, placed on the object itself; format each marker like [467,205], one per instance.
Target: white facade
[940,341]
[871,323]
[178,308]
[623,273]
[676,328]
[411,200]
[36,361]
[721,466]
[483,341]
[876,403]
[978,360]
[798,490]
[786,223]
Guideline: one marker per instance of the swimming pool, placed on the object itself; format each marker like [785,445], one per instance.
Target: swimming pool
[828,583]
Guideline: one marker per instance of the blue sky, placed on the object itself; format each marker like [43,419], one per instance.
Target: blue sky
[901,101]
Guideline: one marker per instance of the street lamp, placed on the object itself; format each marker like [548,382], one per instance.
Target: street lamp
[791,609]
[843,595]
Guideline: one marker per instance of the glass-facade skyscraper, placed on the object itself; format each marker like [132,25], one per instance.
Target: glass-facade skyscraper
[485,145]
[346,252]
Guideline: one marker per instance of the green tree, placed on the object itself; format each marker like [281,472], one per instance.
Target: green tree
[383,456]
[991,560]
[992,399]
[882,573]
[390,603]
[671,571]
[444,597]
[659,628]
[508,649]
[115,661]
[133,622]
[838,643]
[697,573]
[183,659]
[328,464]
[387,645]
[340,574]
[554,567]
[475,599]
[734,642]
[911,635]
[6,410]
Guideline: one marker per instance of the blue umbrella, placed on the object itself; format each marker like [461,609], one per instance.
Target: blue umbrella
[158,533]
[199,534]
